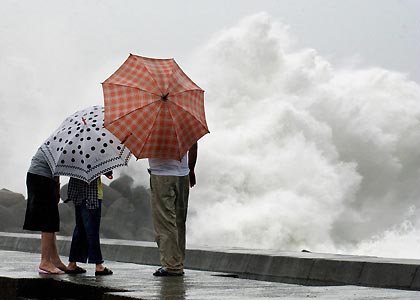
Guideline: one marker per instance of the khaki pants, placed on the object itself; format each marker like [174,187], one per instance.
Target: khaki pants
[169,204]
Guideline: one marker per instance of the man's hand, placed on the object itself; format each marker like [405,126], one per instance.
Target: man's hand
[192,179]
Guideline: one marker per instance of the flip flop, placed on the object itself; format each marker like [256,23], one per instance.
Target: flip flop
[78,270]
[105,271]
[46,272]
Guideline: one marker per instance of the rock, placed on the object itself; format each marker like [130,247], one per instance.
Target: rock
[110,196]
[67,220]
[122,217]
[123,185]
[9,198]
[7,219]
[119,221]
[18,211]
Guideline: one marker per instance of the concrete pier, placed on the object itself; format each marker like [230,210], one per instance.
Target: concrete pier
[210,274]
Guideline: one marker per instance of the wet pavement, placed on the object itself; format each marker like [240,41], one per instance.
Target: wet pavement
[19,280]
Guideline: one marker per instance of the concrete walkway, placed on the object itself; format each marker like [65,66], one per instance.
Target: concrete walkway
[19,280]
[275,266]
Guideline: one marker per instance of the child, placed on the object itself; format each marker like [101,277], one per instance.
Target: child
[85,244]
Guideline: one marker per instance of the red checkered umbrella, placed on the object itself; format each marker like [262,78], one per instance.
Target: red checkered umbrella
[154,108]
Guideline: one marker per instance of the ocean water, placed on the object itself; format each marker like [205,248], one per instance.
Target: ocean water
[303,154]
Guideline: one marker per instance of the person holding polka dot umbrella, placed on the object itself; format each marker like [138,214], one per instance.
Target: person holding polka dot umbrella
[82,148]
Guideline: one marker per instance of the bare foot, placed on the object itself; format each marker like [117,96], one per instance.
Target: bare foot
[99,268]
[49,268]
[71,266]
[59,264]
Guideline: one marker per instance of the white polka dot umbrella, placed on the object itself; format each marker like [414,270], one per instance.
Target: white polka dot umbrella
[82,148]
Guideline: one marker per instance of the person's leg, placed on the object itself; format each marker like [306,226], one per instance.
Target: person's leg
[164,220]
[47,251]
[55,257]
[92,221]
[79,243]
[183,190]
[42,215]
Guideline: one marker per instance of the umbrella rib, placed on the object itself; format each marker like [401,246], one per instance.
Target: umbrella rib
[128,86]
[185,74]
[153,78]
[150,132]
[131,134]
[177,135]
[205,127]
[189,114]
[189,90]
[125,115]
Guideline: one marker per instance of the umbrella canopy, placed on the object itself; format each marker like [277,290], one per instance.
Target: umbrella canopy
[82,148]
[154,108]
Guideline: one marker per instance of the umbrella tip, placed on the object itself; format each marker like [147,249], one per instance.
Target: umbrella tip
[164,97]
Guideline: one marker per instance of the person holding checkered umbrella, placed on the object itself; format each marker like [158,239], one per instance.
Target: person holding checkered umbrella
[157,112]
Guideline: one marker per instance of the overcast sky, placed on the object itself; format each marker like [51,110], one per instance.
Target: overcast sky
[54,54]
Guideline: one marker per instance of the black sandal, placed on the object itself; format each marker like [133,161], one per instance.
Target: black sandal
[78,270]
[162,272]
[105,271]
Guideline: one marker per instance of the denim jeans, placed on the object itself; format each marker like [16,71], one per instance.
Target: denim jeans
[85,244]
